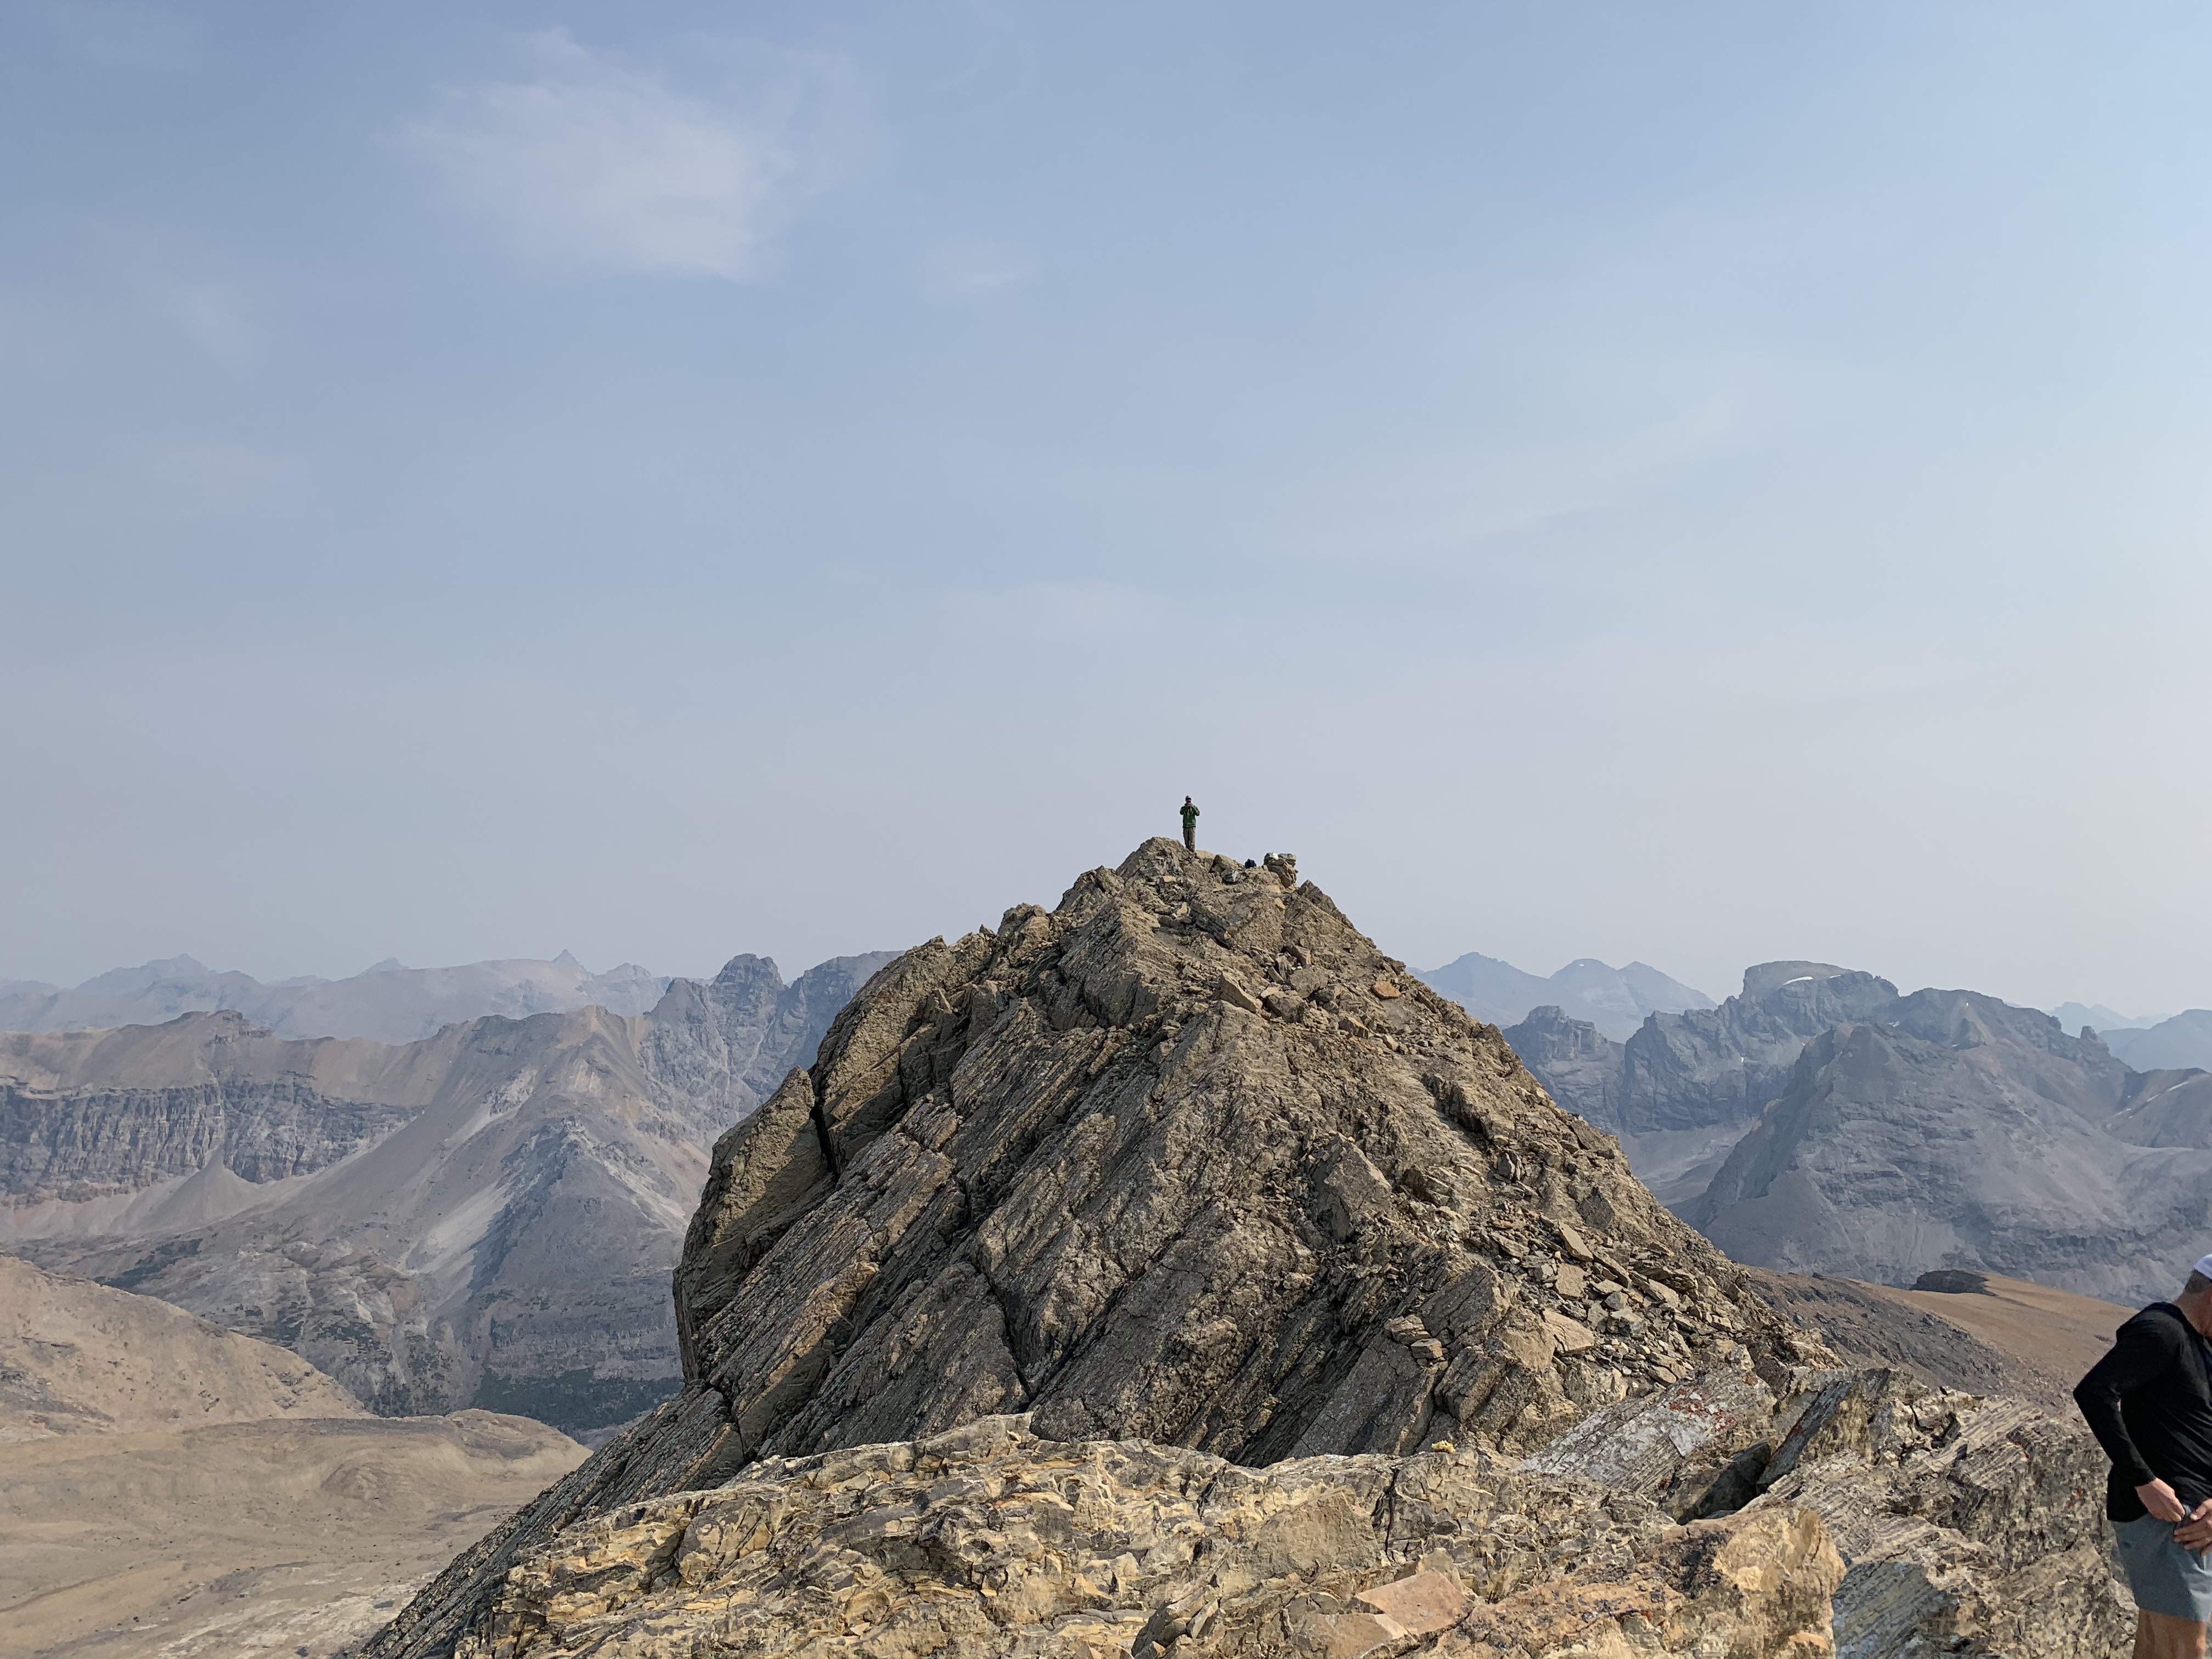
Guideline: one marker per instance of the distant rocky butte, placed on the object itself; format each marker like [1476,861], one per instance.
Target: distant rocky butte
[1685,1087]
[1948,1129]
[1171,1272]
[485,1217]
[387,1003]
[1615,999]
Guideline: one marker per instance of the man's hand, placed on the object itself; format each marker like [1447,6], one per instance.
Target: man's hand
[2158,1498]
[2195,1535]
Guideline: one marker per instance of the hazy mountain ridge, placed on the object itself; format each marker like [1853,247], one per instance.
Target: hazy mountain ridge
[2103,1020]
[1685,1086]
[2186,1039]
[1820,1122]
[388,1003]
[487,1215]
[1615,999]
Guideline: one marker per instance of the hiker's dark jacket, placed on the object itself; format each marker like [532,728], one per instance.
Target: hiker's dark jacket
[2150,1403]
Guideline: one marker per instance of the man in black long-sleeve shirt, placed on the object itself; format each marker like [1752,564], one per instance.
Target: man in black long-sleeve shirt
[2150,1403]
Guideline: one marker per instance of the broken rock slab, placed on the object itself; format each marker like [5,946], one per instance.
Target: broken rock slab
[990,1543]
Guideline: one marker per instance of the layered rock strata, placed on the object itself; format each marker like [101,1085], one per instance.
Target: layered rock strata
[1169,1274]
[1186,1160]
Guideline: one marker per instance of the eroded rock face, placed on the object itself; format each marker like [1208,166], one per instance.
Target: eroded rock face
[984,1541]
[1186,1160]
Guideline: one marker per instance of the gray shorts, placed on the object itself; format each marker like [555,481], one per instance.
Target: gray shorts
[2165,1577]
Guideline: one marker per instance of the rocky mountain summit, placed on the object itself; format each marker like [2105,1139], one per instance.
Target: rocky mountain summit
[486,1217]
[1170,1272]
[1950,1130]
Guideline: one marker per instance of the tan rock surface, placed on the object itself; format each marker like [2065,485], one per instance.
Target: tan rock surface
[76,1356]
[985,1541]
[275,1537]
[170,1488]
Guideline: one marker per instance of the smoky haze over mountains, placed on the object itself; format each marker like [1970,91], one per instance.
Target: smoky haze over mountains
[486,1216]
[315,310]
[1819,1122]
[389,1003]
[1615,999]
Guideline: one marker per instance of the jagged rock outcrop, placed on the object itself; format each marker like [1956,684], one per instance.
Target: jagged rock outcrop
[487,1215]
[1186,1159]
[1874,1517]
[1968,1526]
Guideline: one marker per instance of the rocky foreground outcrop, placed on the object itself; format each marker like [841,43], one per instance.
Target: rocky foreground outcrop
[1238,1220]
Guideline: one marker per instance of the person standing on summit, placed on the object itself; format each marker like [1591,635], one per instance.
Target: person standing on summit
[1189,825]
[2150,1403]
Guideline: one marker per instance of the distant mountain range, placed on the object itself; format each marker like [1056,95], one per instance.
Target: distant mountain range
[2075,1015]
[486,1217]
[387,1003]
[1818,1122]
[2183,1040]
[1613,999]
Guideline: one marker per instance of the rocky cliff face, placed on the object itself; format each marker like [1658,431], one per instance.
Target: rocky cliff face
[1166,1275]
[488,1216]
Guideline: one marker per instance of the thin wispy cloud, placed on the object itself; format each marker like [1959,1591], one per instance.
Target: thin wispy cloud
[594,164]
[1450,499]
[972,270]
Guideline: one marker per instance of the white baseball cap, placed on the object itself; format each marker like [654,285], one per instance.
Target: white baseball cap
[2203,1265]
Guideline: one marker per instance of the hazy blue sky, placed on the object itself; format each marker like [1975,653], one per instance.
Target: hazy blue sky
[1703,483]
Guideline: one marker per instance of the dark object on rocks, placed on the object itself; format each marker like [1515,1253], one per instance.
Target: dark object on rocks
[1953,1281]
